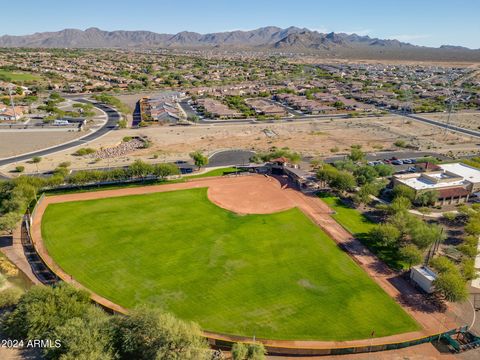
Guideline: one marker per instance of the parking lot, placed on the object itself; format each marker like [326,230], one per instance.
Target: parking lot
[403,161]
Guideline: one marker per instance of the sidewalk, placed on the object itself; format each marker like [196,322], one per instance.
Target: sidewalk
[14,252]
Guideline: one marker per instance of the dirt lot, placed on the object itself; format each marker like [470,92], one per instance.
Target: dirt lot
[19,142]
[316,138]
[469,120]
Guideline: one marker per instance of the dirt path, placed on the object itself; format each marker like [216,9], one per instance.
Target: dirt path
[261,194]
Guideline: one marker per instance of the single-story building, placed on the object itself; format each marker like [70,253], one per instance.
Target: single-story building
[454,183]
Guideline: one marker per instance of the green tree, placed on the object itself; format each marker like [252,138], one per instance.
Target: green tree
[365,174]
[241,351]
[10,297]
[150,334]
[452,286]
[469,246]
[164,170]
[404,191]
[467,269]
[326,173]
[473,225]
[386,234]
[88,337]
[384,169]
[343,181]
[442,264]
[140,168]
[427,198]
[42,309]
[356,153]
[36,160]
[411,255]
[400,204]
[199,159]
[9,221]
[423,235]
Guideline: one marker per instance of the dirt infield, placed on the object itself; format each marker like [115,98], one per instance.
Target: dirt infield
[258,194]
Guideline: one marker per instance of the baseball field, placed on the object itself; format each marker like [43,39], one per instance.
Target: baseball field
[276,276]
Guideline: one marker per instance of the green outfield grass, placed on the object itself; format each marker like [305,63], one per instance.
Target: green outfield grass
[270,276]
[215,172]
[18,76]
[359,225]
[351,219]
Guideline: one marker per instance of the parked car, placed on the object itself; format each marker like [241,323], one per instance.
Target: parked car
[397,162]
[406,161]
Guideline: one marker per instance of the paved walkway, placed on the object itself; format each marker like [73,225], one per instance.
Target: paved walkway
[13,249]
[245,200]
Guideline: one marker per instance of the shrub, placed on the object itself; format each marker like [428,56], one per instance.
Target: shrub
[10,297]
[65,164]
[7,268]
[400,143]
[61,171]
[450,216]
[468,269]
[19,168]
[241,351]
[122,124]
[442,264]
[84,151]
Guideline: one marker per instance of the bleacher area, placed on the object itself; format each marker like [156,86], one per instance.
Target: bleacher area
[39,268]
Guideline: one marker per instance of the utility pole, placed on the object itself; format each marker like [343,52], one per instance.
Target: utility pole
[12,104]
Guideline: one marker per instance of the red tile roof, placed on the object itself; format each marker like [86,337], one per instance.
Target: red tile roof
[453,191]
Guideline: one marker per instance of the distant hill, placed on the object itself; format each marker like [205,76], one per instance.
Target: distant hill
[292,39]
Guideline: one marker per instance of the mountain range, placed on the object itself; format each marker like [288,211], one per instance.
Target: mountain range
[292,39]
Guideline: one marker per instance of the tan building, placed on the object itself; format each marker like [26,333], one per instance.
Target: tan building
[264,107]
[7,113]
[216,109]
[454,183]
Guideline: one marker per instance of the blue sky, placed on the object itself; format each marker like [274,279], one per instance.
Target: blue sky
[422,22]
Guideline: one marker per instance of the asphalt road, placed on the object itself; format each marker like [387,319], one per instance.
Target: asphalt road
[112,119]
[380,155]
[230,157]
